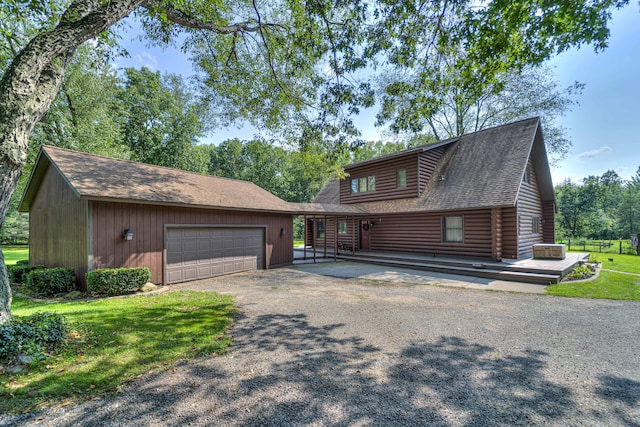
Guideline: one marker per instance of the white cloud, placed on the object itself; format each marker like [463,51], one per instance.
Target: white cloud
[145,59]
[594,153]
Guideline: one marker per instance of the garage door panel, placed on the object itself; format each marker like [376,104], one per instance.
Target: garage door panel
[197,253]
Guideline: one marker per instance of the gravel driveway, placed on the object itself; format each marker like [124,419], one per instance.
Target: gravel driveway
[313,350]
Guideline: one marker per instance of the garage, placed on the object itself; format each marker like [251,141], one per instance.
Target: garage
[199,252]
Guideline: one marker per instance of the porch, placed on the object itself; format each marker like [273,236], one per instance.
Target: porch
[539,271]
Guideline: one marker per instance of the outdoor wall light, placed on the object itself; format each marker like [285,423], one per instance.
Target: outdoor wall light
[282,231]
[127,234]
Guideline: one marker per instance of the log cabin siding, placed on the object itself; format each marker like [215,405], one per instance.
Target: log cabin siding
[529,208]
[548,226]
[510,233]
[110,250]
[418,232]
[58,226]
[330,232]
[386,182]
[427,164]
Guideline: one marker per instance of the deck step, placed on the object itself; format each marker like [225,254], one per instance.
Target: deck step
[461,268]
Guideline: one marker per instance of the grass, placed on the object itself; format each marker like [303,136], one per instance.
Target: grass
[608,285]
[298,242]
[114,341]
[15,253]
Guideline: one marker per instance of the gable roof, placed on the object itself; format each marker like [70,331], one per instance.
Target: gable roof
[480,170]
[96,177]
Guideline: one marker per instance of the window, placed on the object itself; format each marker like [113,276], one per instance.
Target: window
[342,227]
[354,186]
[320,229]
[363,185]
[452,230]
[401,178]
[535,224]
[527,175]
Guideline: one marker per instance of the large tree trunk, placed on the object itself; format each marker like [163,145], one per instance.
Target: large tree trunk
[30,85]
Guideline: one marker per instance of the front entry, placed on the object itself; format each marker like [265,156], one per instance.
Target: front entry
[364,234]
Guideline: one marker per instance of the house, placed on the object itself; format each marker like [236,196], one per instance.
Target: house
[487,194]
[88,212]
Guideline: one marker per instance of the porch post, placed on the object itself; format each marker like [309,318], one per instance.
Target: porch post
[324,219]
[335,238]
[313,237]
[353,237]
[304,240]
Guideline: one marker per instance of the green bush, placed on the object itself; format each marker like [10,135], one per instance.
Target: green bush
[32,336]
[18,272]
[117,281]
[50,281]
[22,262]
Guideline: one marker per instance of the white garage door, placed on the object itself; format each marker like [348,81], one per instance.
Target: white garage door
[201,252]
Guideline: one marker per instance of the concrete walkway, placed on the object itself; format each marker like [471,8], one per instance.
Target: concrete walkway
[355,270]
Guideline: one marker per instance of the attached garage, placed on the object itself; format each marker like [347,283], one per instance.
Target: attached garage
[88,212]
[193,253]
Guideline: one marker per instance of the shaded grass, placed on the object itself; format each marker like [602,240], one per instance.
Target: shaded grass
[608,285]
[114,341]
[15,253]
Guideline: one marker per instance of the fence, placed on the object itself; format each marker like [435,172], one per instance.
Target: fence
[602,246]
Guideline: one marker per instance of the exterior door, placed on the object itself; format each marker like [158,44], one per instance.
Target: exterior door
[364,234]
[199,252]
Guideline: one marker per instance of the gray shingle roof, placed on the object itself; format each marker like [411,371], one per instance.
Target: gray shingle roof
[482,169]
[98,177]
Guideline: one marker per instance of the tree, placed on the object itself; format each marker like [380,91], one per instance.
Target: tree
[629,208]
[161,118]
[274,63]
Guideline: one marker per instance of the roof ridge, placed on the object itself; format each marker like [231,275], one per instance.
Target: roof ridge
[102,156]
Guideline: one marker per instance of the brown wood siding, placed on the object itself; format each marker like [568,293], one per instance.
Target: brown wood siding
[510,233]
[147,222]
[421,232]
[58,227]
[529,207]
[549,219]
[386,180]
[428,161]
[329,233]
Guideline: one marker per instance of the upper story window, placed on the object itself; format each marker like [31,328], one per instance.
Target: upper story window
[363,185]
[527,175]
[401,178]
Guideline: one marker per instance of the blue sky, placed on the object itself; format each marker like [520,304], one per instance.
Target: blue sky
[604,127]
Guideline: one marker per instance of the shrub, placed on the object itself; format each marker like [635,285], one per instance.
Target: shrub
[22,262]
[18,272]
[50,281]
[32,335]
[117,281]
[581,272]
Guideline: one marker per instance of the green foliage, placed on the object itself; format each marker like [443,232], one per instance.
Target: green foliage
[162,118]
[604,207]
[18,272]
[580,272]
[32,335]
[22,262]
[115,340]
[50,281]
[117,281]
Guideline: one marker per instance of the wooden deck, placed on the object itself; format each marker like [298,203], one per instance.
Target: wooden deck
[541,271]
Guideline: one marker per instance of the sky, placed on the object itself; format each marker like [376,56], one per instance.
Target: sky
[603,127]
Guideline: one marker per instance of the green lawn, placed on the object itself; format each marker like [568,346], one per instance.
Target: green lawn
[608,285]
[113,341]
[15,253]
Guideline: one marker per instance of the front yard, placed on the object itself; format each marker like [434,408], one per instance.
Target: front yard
[114,341]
